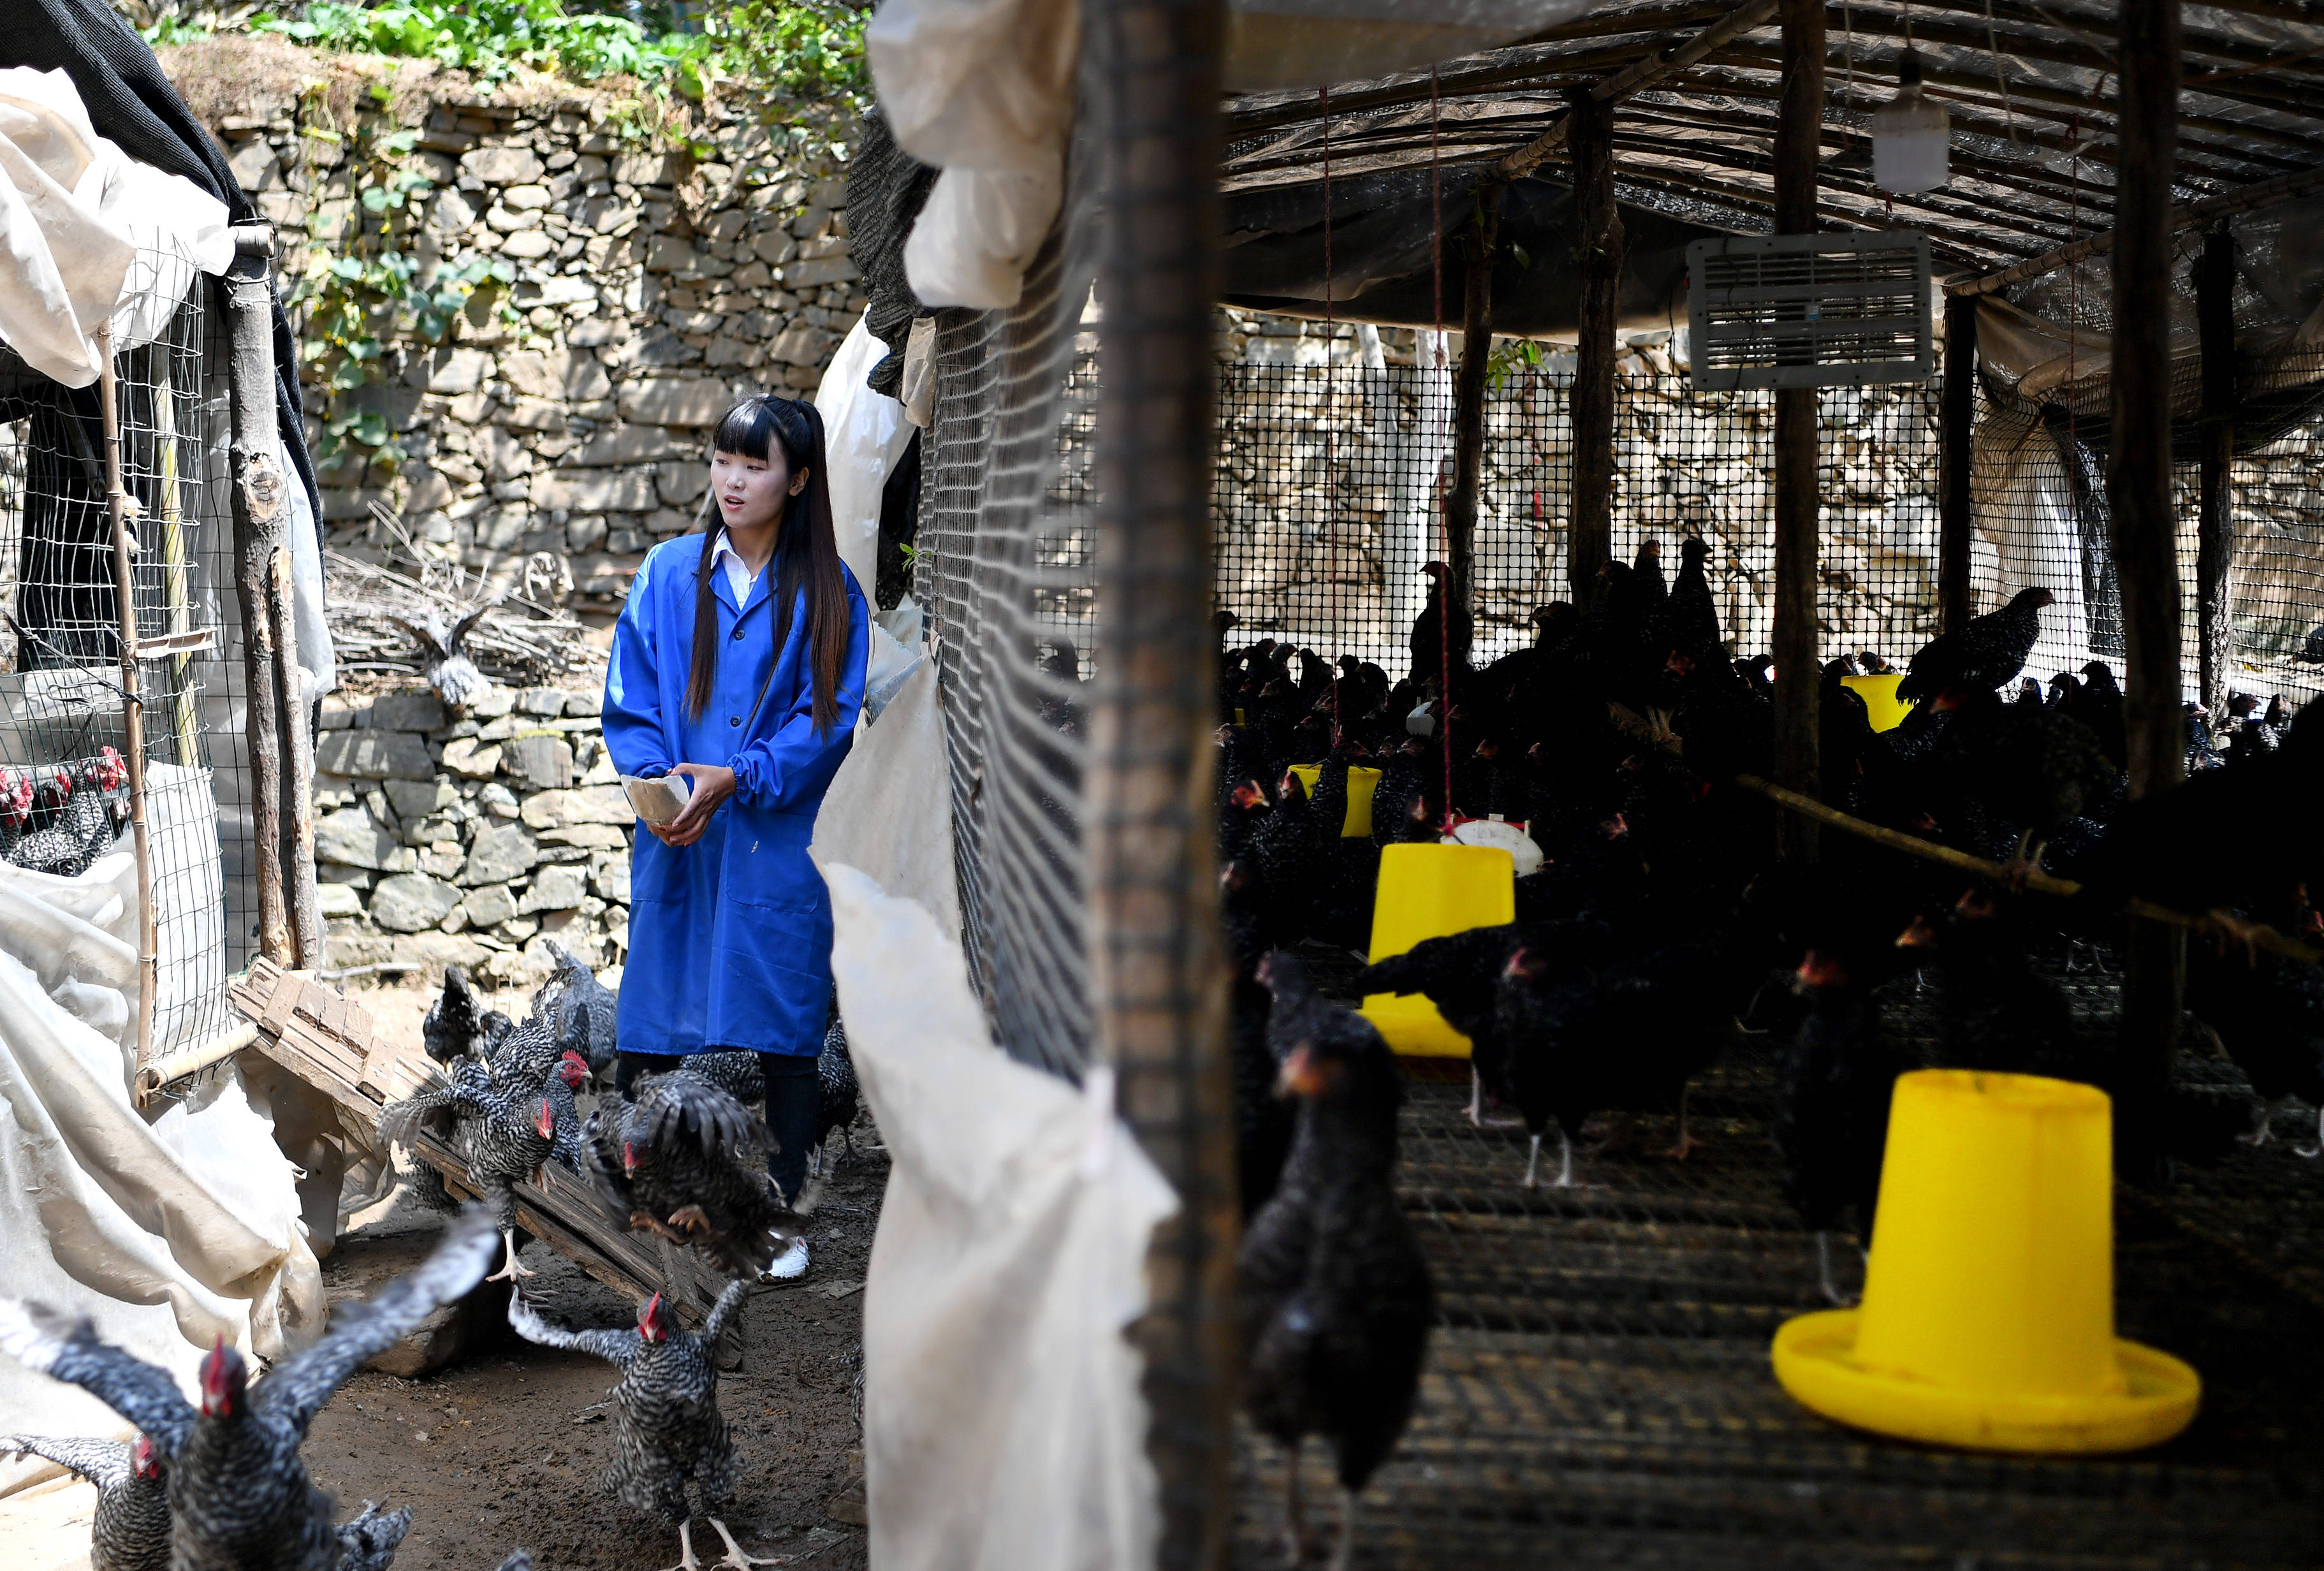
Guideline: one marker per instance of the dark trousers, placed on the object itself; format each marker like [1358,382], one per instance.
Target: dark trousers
[794,1096]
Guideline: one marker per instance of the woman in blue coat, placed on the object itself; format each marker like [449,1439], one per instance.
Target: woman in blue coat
[738,662]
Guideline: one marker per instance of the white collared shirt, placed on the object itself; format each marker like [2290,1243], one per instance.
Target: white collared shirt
[738,576]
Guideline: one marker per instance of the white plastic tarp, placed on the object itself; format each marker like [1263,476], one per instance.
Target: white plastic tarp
[1003,1429]
[863,434]
[168,1232]
[87,234]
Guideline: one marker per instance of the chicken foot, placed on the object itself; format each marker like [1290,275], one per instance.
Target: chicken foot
[1345,1548]
[1832,1293]
[690,1219]
[1676,1151]
[1294,1511]
[512,1268]
[2317,1149]
[2263,1128]
[1564,1179]
[653,1223]
[736,1556]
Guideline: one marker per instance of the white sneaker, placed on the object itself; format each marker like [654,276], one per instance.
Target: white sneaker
[789,1265]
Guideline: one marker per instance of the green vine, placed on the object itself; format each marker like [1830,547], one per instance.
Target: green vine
[375,290]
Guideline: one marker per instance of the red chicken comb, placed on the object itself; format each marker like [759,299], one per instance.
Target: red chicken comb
[573,1068]
[143,1459]
[653,1322]
[545,1120]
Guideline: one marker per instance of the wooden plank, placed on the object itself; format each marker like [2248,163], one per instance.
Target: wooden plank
[1798,497]
[1956,433]
[2215,549]
[1589,536]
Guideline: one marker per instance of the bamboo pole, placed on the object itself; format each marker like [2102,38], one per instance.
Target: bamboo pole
[185,714]
[1798,496]
[1590,539]
[166,1071]
[132,711]
[2146,533]
[302,900]
[260,507]
[1158,981]
[1956,423]
[2215,550]
[1469,421]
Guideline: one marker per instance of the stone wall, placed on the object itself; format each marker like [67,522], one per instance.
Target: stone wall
[471,841]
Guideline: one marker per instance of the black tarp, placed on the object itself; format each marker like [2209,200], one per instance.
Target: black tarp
[1382,262]
[131,101]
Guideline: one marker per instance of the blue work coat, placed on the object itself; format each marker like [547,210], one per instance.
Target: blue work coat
[730,938]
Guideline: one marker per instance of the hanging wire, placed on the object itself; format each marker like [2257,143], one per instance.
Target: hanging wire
[1445,583]
[1331,337]
[2000,77]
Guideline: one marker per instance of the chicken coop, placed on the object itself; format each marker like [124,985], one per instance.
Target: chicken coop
[1466,401]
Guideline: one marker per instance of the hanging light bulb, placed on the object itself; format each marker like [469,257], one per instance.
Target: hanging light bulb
[1911,136]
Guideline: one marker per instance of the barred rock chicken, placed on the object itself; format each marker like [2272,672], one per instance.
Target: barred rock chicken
[1336,1297]
[502,1134]
[683,1159]
[1831,1105]
[668,1434]
[239,1495]
[1981,655]
[573,994]
[368,1541]
[132,1528]
[84,829]
[836,1095]
[16,811]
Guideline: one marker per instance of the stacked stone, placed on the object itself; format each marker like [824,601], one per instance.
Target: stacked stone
[471,841]
[652,290]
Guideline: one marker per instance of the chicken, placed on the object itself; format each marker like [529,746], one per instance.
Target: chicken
[1433,640]
[1263,1123]
[2035,768]
[1461,976]
[442,649]
[1831,1105]
[131,1531]
[453,1026]
[1690,618]
[16,811]
[85,826]
[1335,1295]
[683,1159]
[368,1541]
[1981,655]
[573,994]
[837,1094]
[671,1447]
[239,1495]
[1994,1011]
[2268,1011]
[502,1134]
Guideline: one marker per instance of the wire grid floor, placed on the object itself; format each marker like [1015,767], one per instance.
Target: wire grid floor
[1598,1390]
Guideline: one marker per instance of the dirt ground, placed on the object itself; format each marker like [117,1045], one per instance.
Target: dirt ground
[503,1448]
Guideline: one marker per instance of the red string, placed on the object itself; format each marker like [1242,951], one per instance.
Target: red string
[1331,336]
[1444,585]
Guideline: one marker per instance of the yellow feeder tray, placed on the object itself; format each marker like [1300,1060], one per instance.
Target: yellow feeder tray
[1361,783]
[1879,695]
[1988,1320]
[1430,891]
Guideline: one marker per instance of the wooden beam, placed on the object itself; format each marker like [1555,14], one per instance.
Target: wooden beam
[1590,539]
[262,507]
[2215,547]
[2145,535]
[1956,421]
[1481,246]
[1635,77]
[2266,194]
[1798,500]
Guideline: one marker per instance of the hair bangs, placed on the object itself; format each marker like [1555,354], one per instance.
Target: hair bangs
[749,430]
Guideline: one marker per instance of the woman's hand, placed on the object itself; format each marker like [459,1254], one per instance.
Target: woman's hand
[712,786]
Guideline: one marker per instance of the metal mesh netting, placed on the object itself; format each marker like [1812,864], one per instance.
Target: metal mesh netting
[59,666]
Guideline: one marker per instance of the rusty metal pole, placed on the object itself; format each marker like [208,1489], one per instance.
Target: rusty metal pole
[1157,978]
[132,710]
[2215,550]
[1799,139]
[2145,535]
[1589,543]
[1956,434]
[1469,417]
[262,507]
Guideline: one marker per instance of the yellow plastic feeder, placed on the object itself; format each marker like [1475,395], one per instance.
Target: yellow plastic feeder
[1361,783]
[1988,1320]
[1879,695]
[1430,891]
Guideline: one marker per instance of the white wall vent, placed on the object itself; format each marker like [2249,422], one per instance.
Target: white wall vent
[1842,310]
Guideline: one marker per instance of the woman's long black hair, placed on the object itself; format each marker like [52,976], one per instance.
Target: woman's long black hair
[807,553]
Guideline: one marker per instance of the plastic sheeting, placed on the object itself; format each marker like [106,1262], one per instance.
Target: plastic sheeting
[87,235]
[864,433]
[169,1233]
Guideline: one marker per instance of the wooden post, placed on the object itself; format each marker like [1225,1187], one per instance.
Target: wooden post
[2215,551]
[262,506]
[1469,416]
[132,708]
[1589,543]
[1799,133]
[1157,979]
[2145,542]
[301,900]
[1956,422]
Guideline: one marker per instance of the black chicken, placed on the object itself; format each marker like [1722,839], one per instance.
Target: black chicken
[1432,637]
[132,1528]
[1336,1297]
[238,1494]
[453,1026]
[685,1159]
[836,1093]
[2097,702]
[1263,1123]
[502,1134]
[2268,1011]
[1461,976]
[574,993]
[2032,767]
[1994,1011]
[1690,618]
[1979,655]
[668,1434]
[1831,1105]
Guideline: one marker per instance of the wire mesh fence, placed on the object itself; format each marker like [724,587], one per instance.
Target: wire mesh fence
[62,779]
